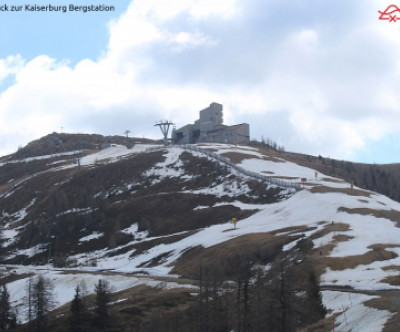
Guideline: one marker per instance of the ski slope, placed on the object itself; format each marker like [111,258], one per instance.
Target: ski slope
[315,210]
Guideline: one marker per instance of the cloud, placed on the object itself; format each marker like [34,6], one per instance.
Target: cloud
[104,94]
[326,73]
[10,65]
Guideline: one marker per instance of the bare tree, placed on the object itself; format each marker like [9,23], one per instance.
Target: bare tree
[39,302]
[7,317]
[29,310]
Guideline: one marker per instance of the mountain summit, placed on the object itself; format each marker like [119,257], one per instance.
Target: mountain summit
[158,220]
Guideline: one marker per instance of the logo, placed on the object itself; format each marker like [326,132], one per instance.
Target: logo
[390,14]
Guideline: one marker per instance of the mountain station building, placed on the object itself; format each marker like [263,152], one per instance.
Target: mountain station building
[210,129]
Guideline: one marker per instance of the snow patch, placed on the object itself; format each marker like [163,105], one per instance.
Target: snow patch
[353,315]
[134,230]
[94,235]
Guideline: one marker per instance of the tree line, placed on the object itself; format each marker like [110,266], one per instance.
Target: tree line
[39,302]
[251,302]
[284,297]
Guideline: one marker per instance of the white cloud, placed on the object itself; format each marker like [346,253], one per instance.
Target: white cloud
[227,9]
[48,94]
[10,65]
[184,40]
[332,81]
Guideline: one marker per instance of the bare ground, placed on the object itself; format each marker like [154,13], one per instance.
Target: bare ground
[347,191]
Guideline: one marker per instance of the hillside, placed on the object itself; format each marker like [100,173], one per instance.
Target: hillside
[155,223]
[382,178]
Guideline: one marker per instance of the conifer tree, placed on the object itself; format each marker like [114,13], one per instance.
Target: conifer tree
[78,310]
[314,297]
[5,311]
[102,314]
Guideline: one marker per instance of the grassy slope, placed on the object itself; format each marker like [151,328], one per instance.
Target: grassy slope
[382,178]
[146,304]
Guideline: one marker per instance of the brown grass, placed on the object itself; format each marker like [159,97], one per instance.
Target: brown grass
[292,230]
[284,177]
[4,188]
[342,238]
[378,252]
[363,201]
[275,160]
[223,258]
[146,245]
[141,304]
[391,267]
[205,147]
[331,180]
[392,280]
[324,325]
[388,300]
[347,191]
[319,256]
[237,157]
[392,215]
[336,227]
[13,277]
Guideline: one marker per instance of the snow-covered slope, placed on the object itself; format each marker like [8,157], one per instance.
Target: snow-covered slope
[355,232]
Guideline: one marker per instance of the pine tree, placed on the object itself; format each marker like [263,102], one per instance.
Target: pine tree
[5,311]
[78,310]
[314,298]
[102,314]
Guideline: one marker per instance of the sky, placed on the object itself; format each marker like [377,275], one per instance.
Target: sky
[318,77]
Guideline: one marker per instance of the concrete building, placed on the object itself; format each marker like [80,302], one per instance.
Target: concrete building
[210,128]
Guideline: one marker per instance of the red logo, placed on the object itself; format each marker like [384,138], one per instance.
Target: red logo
[390,14]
